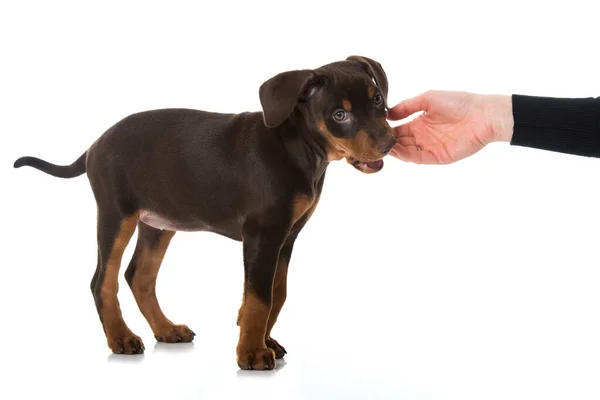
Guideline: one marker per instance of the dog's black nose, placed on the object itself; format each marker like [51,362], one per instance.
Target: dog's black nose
[387,145]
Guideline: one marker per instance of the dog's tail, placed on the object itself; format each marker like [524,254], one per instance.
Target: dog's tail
[60,171]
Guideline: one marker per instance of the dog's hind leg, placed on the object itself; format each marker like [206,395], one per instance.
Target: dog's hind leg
[114,232]
[141,276]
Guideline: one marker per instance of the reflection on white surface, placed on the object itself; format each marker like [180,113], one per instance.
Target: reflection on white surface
[159,347]
[247,374]
[173,348]
[126,358]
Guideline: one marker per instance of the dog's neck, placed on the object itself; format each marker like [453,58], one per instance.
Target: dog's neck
[306,147]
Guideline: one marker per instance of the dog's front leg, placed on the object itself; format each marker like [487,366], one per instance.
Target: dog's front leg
[279,295]
[261,251]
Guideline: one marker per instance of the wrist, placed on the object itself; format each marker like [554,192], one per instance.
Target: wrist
[499,117]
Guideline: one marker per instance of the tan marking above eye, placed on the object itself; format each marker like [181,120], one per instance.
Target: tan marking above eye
[371,92]
[347,105]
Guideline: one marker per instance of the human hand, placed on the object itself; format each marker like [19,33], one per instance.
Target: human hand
[454,125]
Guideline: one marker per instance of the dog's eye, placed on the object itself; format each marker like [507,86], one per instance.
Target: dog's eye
[378,99]
[340,115]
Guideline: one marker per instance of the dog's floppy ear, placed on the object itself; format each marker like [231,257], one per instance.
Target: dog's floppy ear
[375,71]
[280,94]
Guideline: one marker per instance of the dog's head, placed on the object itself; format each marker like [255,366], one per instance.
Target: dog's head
[343,102]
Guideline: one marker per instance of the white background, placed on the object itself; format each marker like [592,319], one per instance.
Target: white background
[478,280]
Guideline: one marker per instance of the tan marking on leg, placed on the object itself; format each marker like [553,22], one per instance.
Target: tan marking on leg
[253,322]
[144,280]
[112,319]
[143,286]
[347,105]
[252,352]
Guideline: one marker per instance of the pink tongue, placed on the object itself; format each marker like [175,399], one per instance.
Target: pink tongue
[375,164]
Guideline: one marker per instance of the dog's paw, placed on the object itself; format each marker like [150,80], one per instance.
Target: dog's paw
[257,359]
[174,334]
[127,345]
[277,348]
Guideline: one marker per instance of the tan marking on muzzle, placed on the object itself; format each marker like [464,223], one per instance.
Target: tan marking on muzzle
[361,146]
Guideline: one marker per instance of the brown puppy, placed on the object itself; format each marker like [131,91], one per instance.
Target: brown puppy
[253,177]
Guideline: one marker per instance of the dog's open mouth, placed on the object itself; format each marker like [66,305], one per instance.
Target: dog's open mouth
[368,167]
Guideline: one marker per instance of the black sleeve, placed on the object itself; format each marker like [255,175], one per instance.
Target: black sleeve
[563,125]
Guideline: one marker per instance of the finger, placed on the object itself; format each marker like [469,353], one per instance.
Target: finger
[404,154]
[408,107]
[406,141]
[415,154]
[403,130]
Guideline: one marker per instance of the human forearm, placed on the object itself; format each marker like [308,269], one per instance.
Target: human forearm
[566,125]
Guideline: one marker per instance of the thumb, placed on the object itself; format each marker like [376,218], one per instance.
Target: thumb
[408,107]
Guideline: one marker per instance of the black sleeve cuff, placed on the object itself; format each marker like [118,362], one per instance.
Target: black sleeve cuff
[564,125]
